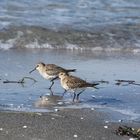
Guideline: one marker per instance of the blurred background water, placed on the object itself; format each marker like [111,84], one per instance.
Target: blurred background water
[77,14]
[98,25]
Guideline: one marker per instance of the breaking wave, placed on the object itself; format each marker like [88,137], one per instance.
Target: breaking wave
[114,38]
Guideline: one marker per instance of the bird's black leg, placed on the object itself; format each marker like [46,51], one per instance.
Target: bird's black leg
[51,92]
[64,92]
[51,84]
[79,94]
[74,96]
[54,78]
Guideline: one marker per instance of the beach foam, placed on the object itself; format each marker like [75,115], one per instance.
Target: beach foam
[31,37]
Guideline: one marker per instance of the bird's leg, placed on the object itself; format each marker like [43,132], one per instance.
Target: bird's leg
[51,84]
[54,78]
[51,92]
[64,92]
[79,94]
[74,96]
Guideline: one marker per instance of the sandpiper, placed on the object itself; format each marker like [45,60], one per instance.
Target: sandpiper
[50,71]
[74,84]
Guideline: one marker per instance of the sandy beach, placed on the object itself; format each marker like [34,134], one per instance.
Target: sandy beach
[67,124]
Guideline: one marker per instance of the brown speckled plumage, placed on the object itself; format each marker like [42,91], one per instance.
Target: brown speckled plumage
[69,82]
[50,71]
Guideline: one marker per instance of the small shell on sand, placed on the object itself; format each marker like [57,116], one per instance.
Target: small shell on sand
[75,136]
[24,126]
[105,126]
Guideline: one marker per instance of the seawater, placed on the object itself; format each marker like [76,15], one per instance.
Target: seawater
[101,38]
[122,100]
[81,14]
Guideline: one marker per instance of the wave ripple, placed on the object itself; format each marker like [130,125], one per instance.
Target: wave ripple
[113,38]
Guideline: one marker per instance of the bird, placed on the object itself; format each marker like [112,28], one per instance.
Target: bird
[50,71]
[74,84]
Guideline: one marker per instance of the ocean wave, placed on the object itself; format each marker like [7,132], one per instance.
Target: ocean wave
[115,38]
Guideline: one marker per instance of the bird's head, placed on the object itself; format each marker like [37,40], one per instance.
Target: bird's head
[62,75]
[38,67]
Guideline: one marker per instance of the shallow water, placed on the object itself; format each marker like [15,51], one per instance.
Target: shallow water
[123,100]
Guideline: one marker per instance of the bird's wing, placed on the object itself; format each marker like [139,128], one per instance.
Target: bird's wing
[52,69]
[75,82]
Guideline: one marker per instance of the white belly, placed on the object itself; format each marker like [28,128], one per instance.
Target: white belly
[48,77]
[64,85]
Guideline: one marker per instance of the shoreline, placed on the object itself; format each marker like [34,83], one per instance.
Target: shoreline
[64,124]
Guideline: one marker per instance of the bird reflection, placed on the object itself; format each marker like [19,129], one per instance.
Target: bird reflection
[48,101]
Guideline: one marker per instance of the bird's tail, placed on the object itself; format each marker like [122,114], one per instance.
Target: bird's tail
[71,70]
[94,85]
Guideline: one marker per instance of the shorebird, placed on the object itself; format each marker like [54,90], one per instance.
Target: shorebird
[74,84]
[50,71]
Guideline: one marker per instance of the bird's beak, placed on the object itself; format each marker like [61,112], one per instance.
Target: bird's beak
[32,70]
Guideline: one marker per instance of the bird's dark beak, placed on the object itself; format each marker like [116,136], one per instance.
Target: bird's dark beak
[32,70]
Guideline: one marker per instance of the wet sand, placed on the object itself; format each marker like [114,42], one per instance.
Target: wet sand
[67,124]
